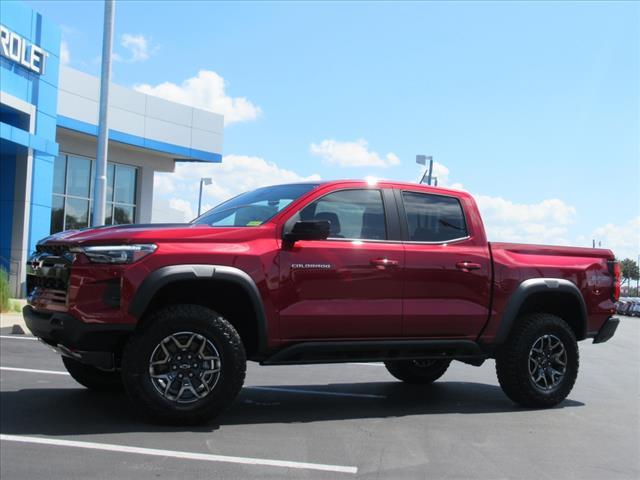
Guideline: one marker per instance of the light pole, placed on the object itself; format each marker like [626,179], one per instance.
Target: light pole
[205,181]
[100,191]
[422,160]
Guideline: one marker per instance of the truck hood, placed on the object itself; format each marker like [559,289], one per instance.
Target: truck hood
[152,233]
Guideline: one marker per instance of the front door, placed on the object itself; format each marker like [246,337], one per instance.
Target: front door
[348,286]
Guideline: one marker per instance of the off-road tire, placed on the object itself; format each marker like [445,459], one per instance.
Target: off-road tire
[512,361]
[411,371]
[170,321]
[93,378]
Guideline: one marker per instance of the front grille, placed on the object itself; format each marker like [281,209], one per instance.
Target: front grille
[48,273]
[57,250]
[45,282]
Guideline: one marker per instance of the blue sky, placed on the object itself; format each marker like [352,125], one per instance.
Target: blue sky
[533,107]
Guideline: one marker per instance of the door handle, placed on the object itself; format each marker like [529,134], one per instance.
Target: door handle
[384,262]
[468,266]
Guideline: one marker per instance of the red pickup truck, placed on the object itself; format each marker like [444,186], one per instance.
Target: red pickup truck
[341,271]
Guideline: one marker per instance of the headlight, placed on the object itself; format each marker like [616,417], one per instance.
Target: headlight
[116,253]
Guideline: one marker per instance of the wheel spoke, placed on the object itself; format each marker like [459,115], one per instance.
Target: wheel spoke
[547,362]
[184,367]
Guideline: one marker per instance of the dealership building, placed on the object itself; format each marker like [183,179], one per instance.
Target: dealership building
[48,141]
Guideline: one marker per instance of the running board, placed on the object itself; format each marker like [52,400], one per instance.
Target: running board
[374,351]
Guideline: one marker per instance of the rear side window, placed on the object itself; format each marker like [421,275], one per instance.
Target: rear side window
[354,214]
[433,218]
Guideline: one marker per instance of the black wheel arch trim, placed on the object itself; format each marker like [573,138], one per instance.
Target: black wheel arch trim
[536,285]
[175,273]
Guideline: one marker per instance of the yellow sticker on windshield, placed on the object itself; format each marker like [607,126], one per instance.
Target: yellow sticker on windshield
[254,223]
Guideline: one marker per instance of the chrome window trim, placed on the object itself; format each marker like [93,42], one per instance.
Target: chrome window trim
[411,242]
[453,240]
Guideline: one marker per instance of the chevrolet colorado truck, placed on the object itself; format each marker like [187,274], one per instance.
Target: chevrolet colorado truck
[323,272]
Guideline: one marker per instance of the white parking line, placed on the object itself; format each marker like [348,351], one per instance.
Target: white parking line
[317,392]
[19,337]
[32,370]
[207,457]
[367,364]
[275,389]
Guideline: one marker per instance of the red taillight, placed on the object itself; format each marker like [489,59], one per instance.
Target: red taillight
[616,281]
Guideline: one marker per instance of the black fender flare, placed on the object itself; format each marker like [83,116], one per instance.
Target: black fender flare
[175,273]
[531,287]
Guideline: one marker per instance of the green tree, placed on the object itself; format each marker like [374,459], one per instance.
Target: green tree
[629,270]
[4,291]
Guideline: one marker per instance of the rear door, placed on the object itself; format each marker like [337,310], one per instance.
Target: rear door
[348,286]
[447,270]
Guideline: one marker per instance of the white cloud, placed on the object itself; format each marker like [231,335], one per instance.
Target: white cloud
[623,240]
[137,47]
[206,90]
[176,194]
[171,210]
[162,184]
[65,55]
[352,154]
[182,206]
[543,222]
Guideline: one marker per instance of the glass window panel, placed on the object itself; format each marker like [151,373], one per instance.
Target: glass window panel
[433,218]
[108,214]
[125,184]
[255,207]
[57,214]
[122,214]
[110,171]
[351,213]
[76,214]
[59,167]
[78,176]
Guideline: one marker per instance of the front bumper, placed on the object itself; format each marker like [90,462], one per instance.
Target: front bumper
[93,344]
[607,330]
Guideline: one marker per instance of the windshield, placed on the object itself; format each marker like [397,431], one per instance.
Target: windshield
[253,208]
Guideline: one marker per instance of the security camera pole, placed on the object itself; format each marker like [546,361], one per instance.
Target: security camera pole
[205,181]
[100,191]
[422,160]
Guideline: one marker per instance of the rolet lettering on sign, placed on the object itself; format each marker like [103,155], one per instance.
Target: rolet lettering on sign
[18,49]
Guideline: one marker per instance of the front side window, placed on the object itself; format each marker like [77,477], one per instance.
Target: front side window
[433,218]
[253,208]
[353,214]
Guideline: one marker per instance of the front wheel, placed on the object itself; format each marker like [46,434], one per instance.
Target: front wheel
[538,365]
[417,371]
[186,366]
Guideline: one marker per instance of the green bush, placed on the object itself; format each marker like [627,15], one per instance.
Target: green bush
[4,291]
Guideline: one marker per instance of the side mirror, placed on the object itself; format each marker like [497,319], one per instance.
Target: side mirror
[309,230]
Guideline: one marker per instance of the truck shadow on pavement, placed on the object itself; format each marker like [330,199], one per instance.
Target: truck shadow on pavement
[76,411]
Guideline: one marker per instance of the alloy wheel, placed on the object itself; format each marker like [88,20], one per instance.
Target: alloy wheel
[184,367]
[547,362]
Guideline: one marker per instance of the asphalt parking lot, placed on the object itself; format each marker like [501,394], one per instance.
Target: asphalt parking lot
[329,421]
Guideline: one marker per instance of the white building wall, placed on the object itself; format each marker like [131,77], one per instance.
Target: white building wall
[138,114]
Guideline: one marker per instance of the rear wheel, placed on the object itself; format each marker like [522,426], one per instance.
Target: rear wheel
[538,365]
[417,371]
[93,378]
[186,366]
